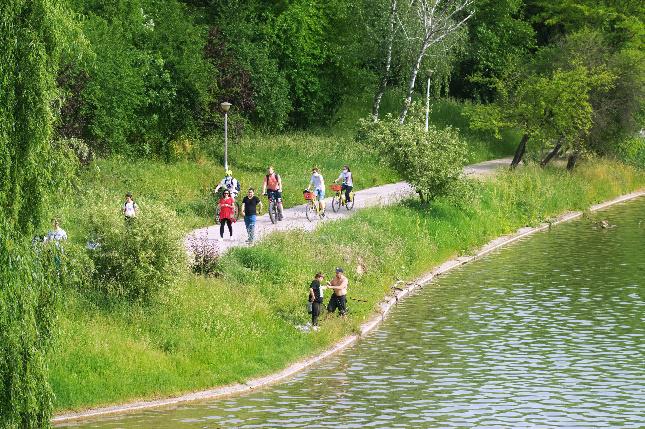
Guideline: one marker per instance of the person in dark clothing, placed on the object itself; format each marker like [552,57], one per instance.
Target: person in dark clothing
[316,297]
[250,211]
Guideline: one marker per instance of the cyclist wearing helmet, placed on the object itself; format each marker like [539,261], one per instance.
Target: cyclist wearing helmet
[272,187]
[229,183]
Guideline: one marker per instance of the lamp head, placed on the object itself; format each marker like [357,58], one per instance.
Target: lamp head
[225,106]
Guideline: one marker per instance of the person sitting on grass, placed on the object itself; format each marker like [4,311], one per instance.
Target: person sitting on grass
[226,214]
[129,207]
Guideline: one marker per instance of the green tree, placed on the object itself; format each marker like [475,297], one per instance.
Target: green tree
[27,313]
[549,109]
[431,161]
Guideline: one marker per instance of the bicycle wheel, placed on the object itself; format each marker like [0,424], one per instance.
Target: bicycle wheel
[273,212]
[350,204]
[310,212]
[335,203]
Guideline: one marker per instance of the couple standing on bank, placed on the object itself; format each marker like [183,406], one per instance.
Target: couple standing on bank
[337,301]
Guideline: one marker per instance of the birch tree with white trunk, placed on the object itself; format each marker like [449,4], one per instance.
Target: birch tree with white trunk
[437,20]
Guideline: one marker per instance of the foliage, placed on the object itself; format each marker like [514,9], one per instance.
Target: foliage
[136,258]
[632,151]
[429,160]
[213,331]
[30,284]
[31,36]
[548,108]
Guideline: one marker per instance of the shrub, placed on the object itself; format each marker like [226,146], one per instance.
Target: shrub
[135,258]
[28,291]
[431,161]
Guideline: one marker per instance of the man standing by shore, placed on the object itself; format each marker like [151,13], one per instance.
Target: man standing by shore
[339,299]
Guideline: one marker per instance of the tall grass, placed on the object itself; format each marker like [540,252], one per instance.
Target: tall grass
[210,331]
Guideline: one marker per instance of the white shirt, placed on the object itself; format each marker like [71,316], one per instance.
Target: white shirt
[317,181]
[129,208]
[57,235]
[229,183]
[346,178]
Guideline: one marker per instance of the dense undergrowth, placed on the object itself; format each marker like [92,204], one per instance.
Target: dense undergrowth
[243,323]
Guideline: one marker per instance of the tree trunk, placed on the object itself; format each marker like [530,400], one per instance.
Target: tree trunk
[376,105]
[412,81]
[572,161]
[519,152]
[551,154]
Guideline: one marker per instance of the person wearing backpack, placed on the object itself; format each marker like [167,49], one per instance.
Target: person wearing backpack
[272,187]
[230,183]
[130,208]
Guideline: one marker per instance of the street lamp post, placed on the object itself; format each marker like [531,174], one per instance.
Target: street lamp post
[225,107]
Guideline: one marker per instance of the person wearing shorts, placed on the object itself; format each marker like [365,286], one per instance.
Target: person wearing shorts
[272,187]
[318,183]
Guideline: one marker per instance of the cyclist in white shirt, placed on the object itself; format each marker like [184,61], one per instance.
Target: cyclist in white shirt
[229,182]
[346,179]
[318,183]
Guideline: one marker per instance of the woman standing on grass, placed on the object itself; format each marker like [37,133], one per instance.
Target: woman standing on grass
[226,214]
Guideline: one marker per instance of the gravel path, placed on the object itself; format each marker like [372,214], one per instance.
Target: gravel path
[294,218]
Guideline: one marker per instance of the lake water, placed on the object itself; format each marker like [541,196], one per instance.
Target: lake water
[547,332]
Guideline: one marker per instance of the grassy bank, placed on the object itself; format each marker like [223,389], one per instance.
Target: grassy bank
[211,331]
[185,186]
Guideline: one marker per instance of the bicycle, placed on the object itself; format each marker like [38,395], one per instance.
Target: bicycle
[340,200]
[312,209]
[274,211]
[236,210]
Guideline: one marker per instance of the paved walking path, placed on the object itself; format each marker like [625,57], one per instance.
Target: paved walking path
[295,218]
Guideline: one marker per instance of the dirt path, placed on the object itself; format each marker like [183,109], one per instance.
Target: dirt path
[294,218]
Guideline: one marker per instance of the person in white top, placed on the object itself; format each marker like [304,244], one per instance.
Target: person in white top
[230,183]
[57,234]
[346,179]
[318,183]
[129,207]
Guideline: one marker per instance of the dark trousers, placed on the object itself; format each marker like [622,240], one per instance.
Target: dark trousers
[227,222]
[337,302]
[315,312]
[347,190]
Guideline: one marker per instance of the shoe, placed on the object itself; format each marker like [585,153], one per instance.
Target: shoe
[220,239]
[316,328]
[322,214]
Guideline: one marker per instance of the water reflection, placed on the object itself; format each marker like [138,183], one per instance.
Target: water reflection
[545,333]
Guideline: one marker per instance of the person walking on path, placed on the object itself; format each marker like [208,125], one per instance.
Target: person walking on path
[226,213]
[318,183]
[316,298]
[272,187]
[347,182]
[249,211]
[129,207]
[338,300]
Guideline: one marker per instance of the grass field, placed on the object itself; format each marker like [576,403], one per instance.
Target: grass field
[185,186]
[243,323]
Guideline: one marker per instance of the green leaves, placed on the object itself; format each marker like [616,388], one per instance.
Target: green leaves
[430,161]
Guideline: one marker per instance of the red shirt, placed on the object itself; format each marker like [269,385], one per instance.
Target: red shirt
[226,212]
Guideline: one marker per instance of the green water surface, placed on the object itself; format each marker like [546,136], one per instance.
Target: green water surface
[547,332]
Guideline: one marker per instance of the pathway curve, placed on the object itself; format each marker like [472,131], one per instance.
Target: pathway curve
[294,218]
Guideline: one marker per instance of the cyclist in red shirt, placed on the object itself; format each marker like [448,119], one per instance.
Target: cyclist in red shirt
[272,187]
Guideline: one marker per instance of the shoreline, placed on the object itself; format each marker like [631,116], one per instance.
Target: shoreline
[383,308]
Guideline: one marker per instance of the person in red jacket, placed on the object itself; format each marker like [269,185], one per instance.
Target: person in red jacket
[226,213]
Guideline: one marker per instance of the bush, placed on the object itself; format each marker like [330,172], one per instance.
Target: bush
[134,259]
[430,161]
[28,292]
[632,151]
